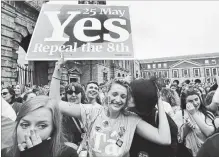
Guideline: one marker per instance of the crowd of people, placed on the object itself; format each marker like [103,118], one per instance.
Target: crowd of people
[121,118]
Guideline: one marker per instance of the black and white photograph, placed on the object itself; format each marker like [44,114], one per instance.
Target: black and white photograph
[108,78]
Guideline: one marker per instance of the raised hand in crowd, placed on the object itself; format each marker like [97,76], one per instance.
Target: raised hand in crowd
[214,106]
[113,116]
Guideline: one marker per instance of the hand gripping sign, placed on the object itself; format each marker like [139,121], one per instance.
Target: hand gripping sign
[80,32]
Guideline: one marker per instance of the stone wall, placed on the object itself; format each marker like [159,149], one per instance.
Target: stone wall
[18,21]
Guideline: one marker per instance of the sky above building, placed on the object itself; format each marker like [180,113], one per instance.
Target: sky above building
[172,28]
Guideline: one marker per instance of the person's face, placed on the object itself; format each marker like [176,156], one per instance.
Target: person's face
[92,91]
[207,89]
[30,96]
[104,89]
[27,89]
[62,94]
[173,88]
[117,97]
[194,99]
[46,89]
[74,96]
[175,84]
[17,90]
[6,95]
[39,120]
[184,86]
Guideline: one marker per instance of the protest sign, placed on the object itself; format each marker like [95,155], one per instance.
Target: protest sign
[81,32]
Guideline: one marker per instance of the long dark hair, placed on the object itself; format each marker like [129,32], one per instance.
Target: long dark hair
[78,87]
[202,107]
[12,92]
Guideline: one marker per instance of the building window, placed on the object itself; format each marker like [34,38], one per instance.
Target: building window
[206,61]
[213,61]
[165,65]
[155,73]
[105,77]
[207,72]
[120,63]
[185,72]
[119,75]
[160,74]
[159,65]
[175,74]
[196,72]
[165,73]
[149,66]
[154,66]
[144,75]
[214,71]
[123,75]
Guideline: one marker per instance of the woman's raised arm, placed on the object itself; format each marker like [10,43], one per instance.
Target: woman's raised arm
[215,100]
[160,135]
[67,108]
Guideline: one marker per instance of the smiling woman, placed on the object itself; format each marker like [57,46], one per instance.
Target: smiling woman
[38,131]
[194,121]
[109,129]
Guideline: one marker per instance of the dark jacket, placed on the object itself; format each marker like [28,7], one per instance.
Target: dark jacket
[43,150]
[210,148]
[70,129]
[143,147]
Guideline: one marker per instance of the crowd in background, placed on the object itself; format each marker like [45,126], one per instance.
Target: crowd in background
[192,109]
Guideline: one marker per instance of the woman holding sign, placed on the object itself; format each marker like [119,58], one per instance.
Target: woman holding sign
[110,128]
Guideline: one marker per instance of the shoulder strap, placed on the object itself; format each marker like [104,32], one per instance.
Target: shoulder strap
[210,115]
[78,127]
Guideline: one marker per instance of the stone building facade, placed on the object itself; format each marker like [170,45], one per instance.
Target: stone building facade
[190,67]
[18,22]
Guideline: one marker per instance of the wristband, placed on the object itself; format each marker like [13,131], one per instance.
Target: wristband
[56,78]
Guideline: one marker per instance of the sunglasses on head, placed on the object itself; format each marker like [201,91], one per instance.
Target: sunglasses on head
[4,93]
[71,92]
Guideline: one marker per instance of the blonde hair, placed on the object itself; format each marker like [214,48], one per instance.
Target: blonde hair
[57,136]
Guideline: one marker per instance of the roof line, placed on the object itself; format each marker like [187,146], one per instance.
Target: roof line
[182,57]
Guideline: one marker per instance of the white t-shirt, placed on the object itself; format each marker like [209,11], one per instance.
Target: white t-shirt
[106,132]
[7,110]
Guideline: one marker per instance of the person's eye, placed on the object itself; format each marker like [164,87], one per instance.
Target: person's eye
[114,94]
[24,125]
[42,126]
[123,96]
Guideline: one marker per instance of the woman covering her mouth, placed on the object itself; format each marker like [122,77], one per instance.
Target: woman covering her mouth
[38,131]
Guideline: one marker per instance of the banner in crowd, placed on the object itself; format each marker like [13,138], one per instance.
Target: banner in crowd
[82,32]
